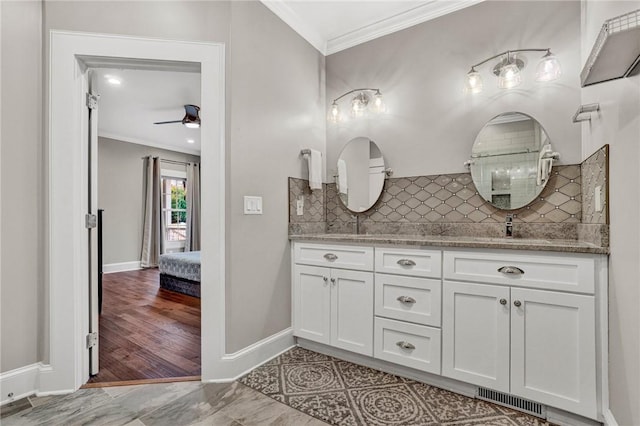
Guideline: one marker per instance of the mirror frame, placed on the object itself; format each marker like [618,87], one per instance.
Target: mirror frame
[542,164]
[383,171]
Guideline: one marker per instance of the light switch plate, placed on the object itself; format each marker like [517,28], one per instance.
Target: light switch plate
[300,206]
[252,204]
[597,199]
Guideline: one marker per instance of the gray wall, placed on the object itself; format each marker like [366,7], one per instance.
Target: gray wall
[274,104]
[277,108]
[21,164]
[120,194]
[618,124]
[431,123]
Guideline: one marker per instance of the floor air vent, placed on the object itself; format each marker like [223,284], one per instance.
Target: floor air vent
[511,401]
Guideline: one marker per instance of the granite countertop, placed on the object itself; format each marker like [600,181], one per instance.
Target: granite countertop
[568,246]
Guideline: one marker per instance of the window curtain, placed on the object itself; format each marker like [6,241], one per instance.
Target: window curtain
[192,242]
[153,227]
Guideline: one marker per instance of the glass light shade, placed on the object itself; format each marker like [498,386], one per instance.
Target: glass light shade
[192,125]
[357,107]
[473,83]
[509,76]
[334,113]
[548,68]
[378,104]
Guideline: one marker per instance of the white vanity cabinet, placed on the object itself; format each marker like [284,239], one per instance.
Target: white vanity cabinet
[530,324]
[331,305]
[536,344]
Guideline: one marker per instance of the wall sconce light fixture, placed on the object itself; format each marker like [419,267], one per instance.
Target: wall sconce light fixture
[508,70]
[365,99]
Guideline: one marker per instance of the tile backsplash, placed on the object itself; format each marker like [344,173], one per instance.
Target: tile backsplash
[594,175]
[432,204]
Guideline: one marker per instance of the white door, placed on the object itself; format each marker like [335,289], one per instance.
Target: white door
[312,303]
[553,349]
[352,311]
[92,211]
[475,334]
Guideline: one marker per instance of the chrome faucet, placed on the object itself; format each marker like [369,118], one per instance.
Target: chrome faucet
[508,229]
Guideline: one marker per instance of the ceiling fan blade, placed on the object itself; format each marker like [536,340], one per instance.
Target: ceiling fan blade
[168,122]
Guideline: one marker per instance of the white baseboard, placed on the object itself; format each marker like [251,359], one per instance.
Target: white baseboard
[241,362]
[121,267]
[609,419]
[19,383]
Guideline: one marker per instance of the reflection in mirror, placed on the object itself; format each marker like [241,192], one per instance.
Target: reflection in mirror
[361,174]
[511,160]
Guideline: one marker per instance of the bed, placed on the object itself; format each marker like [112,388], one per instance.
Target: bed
[180,272]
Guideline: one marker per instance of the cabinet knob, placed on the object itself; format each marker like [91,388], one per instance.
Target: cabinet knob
[517,303]
[511,270]
[503,301]
[406,262]
[325,279]
[405,345]
[406,299]
[333,281]
[330,257]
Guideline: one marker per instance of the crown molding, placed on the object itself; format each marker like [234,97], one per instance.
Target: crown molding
[430,10]
[417,15]
[299,25]
[138,141]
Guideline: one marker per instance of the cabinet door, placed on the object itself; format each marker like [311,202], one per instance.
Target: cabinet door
[553,349]
[475,334]
[352,311]
[312,303]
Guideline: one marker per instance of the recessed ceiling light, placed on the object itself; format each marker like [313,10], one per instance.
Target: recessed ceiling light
[190,141]
[114,81]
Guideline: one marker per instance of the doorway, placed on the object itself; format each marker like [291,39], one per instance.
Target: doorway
[146,331]
[71,55]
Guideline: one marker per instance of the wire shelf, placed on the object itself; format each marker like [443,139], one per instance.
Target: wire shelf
[626,29]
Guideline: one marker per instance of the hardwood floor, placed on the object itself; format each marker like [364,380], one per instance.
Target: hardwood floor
[146,332]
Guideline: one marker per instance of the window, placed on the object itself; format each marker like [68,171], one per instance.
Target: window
[174,208]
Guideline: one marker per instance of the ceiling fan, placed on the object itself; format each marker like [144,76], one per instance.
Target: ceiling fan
[191,117]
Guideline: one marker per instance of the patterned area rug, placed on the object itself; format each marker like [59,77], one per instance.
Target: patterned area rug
[342,393]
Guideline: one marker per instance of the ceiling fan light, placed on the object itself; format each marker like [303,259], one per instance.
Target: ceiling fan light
[473,83]
[548,68]
[509,76]
[191,124]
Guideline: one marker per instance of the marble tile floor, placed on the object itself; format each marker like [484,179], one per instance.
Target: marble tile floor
[171,404]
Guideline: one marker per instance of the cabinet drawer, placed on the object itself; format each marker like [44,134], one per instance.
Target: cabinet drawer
[420,263]
[408,299]
[412,345]
[335,256]
[565,272]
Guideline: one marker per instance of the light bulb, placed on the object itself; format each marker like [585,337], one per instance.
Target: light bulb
[548,68]
[509,76]
[473,83]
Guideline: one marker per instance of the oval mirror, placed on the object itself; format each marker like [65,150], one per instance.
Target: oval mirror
[361,174]
[511,160]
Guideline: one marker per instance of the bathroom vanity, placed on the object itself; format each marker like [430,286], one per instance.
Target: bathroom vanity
[523,322]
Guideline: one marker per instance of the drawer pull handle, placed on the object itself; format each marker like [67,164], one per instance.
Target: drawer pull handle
[503,301]
[517,303]
[406,262]
[330,257]
[406,299]
[511,270]
[405,345]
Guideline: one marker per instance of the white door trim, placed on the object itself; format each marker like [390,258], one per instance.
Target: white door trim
[67,248]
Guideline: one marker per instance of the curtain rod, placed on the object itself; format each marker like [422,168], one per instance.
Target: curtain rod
[169,161]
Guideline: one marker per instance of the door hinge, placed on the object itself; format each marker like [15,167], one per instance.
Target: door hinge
[90,221]
[92,100]
[92,339]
